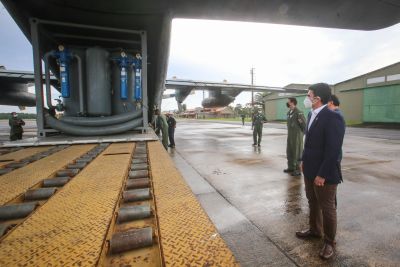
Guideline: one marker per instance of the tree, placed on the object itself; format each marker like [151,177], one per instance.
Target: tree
[238,110]
[184,107]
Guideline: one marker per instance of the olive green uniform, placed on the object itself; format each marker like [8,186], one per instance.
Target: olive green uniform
[258,122]
[296,124]
[162,125]
[16,128]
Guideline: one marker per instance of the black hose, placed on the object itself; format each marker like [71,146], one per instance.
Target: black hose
[102,121]
[68,128]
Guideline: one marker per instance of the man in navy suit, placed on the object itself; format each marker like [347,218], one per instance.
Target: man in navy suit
[321,166]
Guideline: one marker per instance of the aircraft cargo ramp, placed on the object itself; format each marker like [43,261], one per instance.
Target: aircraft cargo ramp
[107,204]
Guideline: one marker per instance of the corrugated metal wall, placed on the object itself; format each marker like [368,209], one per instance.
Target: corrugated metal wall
[281,109]
[382,104]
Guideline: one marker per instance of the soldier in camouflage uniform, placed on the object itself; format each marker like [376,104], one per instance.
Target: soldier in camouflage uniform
[161,125]
[257,125]
[16,127]
[296,125]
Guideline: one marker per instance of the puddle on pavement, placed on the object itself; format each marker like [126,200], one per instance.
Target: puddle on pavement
[248,161]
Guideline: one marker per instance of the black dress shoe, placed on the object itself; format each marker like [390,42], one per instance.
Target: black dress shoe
[305,234]
[287,170]
[327,251]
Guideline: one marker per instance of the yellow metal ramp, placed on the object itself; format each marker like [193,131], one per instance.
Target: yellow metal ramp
[69,229]
[188,237]
[18,181]
[21,154]
[74,226]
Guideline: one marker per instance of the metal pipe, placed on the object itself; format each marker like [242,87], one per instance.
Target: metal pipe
[102,121]
[68,24]
[137,183]
[80,80]
[131,239]
[91,131]
[47,79]
[126,214]
[16,211]
[136,195]
[73,36]
[40,193]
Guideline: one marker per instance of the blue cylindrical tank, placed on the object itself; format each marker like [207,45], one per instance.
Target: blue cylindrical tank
[138,77]
[122,104]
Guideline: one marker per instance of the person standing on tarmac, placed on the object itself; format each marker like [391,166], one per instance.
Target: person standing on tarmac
[171,130]
[296,125]
[257,125]
[243,117]
[16,124]
[161,125]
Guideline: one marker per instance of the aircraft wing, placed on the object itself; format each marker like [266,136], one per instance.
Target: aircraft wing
[202,85]
[22,77]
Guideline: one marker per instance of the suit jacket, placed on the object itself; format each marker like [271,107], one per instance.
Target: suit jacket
[322,147]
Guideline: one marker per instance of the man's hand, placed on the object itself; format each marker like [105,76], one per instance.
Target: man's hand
[319,181]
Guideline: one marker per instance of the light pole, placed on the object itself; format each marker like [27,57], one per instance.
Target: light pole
[252,83]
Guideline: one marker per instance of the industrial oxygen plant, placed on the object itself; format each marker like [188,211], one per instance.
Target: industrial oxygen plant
[102,79]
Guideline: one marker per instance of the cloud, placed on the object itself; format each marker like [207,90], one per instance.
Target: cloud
[281,54]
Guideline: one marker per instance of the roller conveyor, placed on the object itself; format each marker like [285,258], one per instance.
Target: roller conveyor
[87,220]
[18,181]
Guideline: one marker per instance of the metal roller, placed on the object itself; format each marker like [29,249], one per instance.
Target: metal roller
[27,160]
[137,183]
[136,195]
[5,170]
[79,165]
[140,150]
[16,165]
[138,174]
[5,227]
[68,172]
[139,166]
[135,161]
[55,182]
[127,214]
[16,211]
[140,156]
[131,239]
[40,193]
[83,161]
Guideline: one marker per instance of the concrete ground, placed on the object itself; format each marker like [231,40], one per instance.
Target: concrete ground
[257,208]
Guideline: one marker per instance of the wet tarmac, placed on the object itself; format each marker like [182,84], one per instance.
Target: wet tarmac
[257,208]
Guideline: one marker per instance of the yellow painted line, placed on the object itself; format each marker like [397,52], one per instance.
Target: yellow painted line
[188,237]
[21,154]
[18,181]
[70,228]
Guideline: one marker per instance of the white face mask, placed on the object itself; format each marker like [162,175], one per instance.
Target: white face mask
[307,102]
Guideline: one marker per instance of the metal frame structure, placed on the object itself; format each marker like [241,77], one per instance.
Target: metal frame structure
[35,25]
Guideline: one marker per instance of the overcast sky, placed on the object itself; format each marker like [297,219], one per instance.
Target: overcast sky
[217,50]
